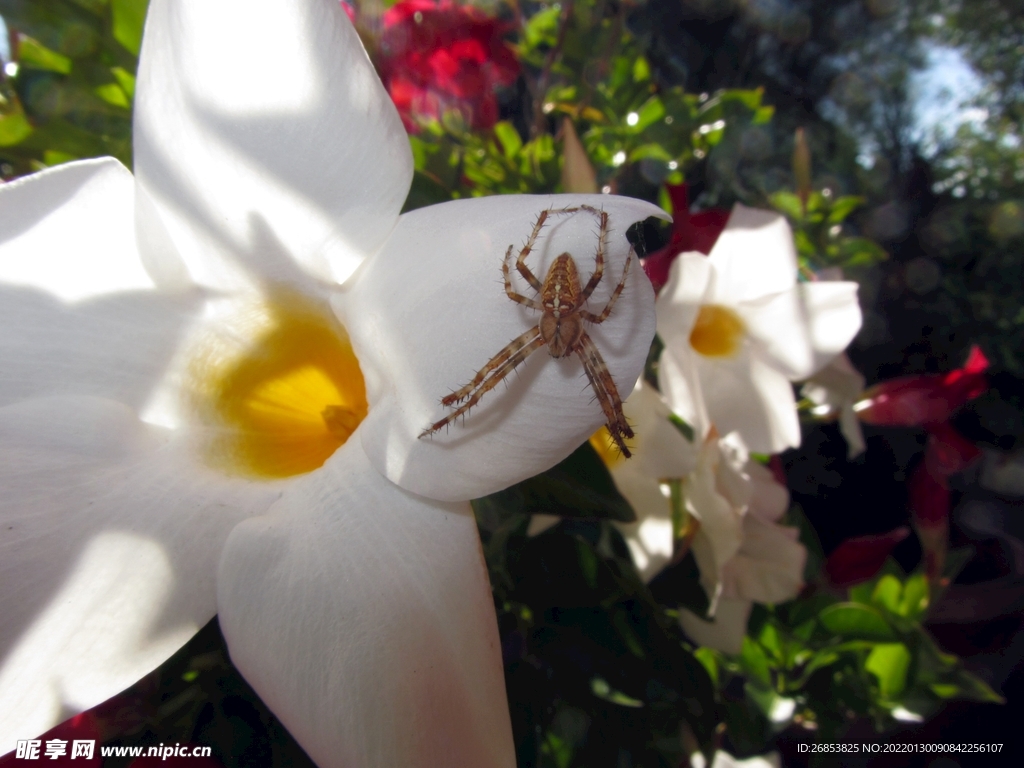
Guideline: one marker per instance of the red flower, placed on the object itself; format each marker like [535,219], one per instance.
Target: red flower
[914,401]
[698,232]
[860,558]
[442,56]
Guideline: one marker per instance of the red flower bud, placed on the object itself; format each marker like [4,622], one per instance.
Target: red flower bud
[698,232]
[860,558]
[914,401]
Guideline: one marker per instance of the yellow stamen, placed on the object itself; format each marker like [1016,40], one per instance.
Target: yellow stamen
[718,331]
[289,400]
[606,448]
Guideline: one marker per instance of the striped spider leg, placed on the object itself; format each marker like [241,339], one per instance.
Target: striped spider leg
[560,301]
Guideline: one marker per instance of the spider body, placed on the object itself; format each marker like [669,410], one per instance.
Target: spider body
[560,326]
[560,301]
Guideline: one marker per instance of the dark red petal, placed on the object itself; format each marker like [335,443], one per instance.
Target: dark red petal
[948,452]
[928,497]
[915,401]
[860,558]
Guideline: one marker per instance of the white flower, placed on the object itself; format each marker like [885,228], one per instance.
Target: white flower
[723,759]
[767,565]
[738,328]
[743,554]
[186,428]
[661,456]
[834,389]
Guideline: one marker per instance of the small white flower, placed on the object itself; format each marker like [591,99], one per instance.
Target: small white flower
[187,428]
[661,454]
[834,389]
[767,566]
[738,328]
[723,759]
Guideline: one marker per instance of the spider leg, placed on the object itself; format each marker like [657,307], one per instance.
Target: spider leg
[607,394]
[489,377]
[521,266]
[595,278]
[590,316]
[493,364]
[521,261]
[511,292]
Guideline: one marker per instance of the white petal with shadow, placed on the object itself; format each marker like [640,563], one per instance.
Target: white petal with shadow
[363,617]
[70,231]
[430,310]
[753,256]
[746,395]
[311,149]
[109,538]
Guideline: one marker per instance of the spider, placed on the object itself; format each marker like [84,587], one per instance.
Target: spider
[560,328]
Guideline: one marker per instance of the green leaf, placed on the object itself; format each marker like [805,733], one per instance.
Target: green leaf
[973,688]
[542,27]
[754,661]
[856,621]
[580,486]
[652,111]
[113,94]
[588,562]
[34,55]
[889,663]
[787,203]
[507,134]
[14,126]
[125,79]
[887,593]
[708,658]
[843,207]
[916,596]
[129,17]
[641,70]
[681,424]
[763,115]
[600,688]
[860,251]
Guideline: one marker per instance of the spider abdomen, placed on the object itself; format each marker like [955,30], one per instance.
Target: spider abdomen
[560,333]
[561,291]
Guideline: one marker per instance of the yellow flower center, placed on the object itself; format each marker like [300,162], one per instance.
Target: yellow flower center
[718,331]
[288,400]
[601,441]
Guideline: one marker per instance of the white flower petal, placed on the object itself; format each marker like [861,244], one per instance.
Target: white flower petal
[78,312]
[430,310]
[690,284]
[726,632]
[753,257]
[769,567]
[679,382]
[779,326]
[769,499]
[660,451]
[746,395]
[261,134]
[834,315]
[69,231]
[650,537]
[362,615]
[109,538]
[721,523]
